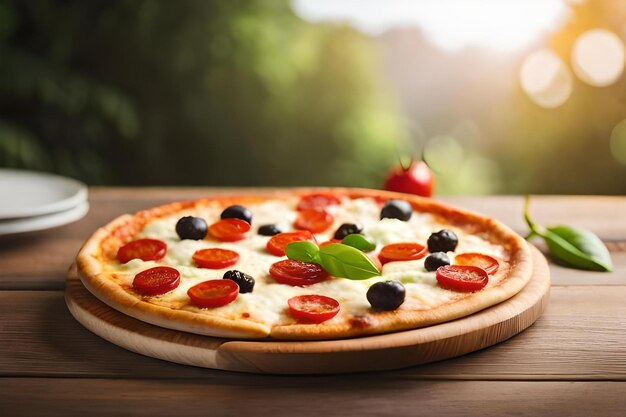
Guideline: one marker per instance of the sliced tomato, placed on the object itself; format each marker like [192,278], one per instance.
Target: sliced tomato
[156,281]
[328,242]
[277,243]
[313,308]
[215,258]
[401,252]
[315,221]
[297,273]
[144,249]
[462,278]
[486,262]
[317,201]
[214,293]
[229,230]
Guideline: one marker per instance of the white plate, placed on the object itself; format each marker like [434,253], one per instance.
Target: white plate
[27,193]
[47,221]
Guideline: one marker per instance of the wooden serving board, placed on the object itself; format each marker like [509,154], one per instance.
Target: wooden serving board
[381,352]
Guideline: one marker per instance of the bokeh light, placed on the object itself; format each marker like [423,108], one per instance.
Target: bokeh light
[618,142]
[478,175]
[575,2]
[443,154]
[598,57]
[546,79]
[459,168]
[452,25]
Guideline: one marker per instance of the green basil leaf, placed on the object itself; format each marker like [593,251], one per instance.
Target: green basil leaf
[359,241]
[578,248]
[303,251]
[344,261]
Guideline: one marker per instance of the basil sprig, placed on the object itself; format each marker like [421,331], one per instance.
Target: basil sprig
[339,260]
[359,241]
[303,251]
[574,247]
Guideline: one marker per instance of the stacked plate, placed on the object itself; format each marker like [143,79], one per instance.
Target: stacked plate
[31,201]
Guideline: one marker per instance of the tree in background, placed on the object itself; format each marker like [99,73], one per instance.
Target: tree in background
[193,92]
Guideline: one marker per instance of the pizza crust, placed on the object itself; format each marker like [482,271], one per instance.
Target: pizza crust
[102,246]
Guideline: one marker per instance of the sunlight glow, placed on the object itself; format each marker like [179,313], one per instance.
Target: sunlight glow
[450,24]
[598,57]
[546,79]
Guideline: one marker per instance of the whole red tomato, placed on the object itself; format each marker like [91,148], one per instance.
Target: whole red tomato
[416,179]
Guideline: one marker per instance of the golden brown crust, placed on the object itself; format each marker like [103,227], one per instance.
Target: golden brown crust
[102,245]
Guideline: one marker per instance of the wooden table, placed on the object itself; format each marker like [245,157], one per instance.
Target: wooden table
[572,362]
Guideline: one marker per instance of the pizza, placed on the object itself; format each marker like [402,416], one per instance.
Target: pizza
[303,264]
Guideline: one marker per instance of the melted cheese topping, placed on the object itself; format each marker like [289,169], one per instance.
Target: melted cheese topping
[268,302]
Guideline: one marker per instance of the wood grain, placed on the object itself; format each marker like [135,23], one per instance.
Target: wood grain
[309,396]
[581,336]
[389,351]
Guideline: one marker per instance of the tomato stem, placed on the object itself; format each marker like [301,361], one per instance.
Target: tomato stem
[399,156]
[405,168]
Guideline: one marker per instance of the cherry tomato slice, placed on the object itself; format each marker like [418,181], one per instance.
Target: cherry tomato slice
[214,293]
[144,249]
[229,230]
[215,258]
[401,252]
[318,201]
[315,221]
[156,281]
[297,273]
[313,308]
[462,278]
[486,262]
[277,243]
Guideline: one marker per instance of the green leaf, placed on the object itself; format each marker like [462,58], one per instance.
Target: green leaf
[303,251]
[578,248]
[344,261]
[359,241]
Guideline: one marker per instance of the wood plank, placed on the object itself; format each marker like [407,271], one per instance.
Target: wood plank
[604,215]
[40,260]
[569,276]
[581,336]
[309,396]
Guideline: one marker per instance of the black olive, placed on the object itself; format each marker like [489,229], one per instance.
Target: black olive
[386,295]
[442,241]
[190,227]
[397,209]
[435,260]
[237,212]
[245,281]
[347,229]
[269,230]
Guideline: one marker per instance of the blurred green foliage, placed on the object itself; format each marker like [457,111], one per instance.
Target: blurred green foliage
[190,93]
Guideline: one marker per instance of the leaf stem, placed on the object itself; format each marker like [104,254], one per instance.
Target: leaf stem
[535,229]
[530,235]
